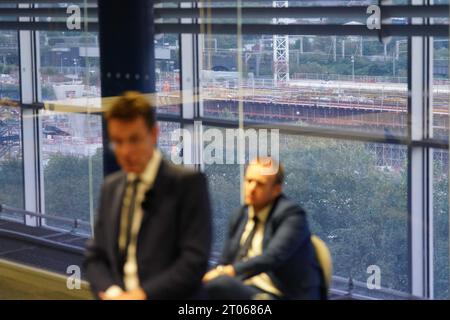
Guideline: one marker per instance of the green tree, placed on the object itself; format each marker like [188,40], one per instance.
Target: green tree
[359,209]
[11,183]
[66,180]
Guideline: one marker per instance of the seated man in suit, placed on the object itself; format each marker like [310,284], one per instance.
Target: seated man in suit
[153,230]
[268,252]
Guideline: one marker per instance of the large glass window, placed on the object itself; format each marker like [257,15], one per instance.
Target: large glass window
[352,83]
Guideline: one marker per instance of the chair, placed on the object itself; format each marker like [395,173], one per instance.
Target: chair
[326,263]
[323,256]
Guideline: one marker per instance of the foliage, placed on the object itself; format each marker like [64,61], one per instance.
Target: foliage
[66,180]
[11,183]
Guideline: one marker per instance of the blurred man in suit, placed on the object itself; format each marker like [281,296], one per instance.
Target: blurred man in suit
[268,252]
[153,230]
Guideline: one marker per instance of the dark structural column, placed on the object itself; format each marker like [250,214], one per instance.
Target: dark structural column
[126,32]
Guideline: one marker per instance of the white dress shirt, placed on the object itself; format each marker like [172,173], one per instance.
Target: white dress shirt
[261,280]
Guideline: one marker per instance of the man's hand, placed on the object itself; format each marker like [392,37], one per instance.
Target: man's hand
[137,294]
[229,270]
[219,271]
[210,275]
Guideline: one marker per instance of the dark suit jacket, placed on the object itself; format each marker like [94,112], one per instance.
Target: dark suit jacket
[288,255]
[174,239]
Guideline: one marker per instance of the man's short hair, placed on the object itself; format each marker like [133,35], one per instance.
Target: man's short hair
[271,164]
[130,106]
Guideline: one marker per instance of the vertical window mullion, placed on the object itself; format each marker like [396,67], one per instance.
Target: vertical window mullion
[428,127]
[30,124]
[419,178]
[191,149]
